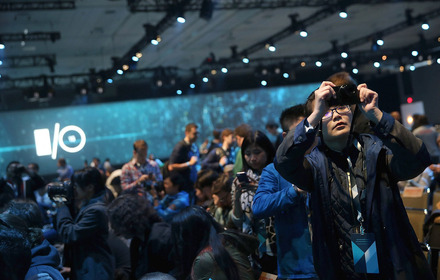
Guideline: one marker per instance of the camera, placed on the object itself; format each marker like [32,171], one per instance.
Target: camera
[345,95]
[61,192]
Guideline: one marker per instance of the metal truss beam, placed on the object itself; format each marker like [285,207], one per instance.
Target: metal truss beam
[36,6]
[196,5]
[34,36]
[48,60]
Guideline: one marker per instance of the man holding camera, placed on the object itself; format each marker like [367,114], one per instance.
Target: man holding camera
[360,227]
[140,171]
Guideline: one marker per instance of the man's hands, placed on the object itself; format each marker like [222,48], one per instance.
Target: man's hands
[322,95]
[369,103]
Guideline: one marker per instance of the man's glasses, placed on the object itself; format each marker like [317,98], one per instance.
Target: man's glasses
[341,110]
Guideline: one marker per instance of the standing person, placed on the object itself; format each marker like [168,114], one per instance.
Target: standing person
[221,156]
[204,250]
[354,195]
[64,170]
[240,132]
[140,171]
[277,197]
[184,158]
[84,235]
[257,153]
[430,137]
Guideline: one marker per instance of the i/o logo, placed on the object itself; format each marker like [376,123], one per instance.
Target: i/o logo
[71,144]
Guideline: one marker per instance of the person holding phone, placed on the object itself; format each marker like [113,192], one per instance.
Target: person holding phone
[257,153]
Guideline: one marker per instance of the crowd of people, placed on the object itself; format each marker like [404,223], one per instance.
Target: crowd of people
[318,201]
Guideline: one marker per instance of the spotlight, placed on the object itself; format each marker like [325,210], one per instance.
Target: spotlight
[135,58]
[376,64]
[224,70]
[355,71]
[181,19]
[438,60]
[2,46]
[343,14]
[286,75]
[303,64]
[213,72]
[0,75]
[277,70]
[263,83]
[318,63]
[425,25]
[159,83]
[110,81]
[100,89]
[401,68]
[303,33]
[384,57]
[119,71]
[412,68]
[344,54]
[414,53]
[179,92]
[1,62]
[205,79]
[156,40]
[192,85]
[245,60]
[125,67]
[270,47]
[138,54]
[380,42]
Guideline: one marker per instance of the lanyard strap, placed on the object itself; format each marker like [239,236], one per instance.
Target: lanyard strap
[354,194]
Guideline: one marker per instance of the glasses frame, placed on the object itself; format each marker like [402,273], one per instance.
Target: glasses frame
[331,111]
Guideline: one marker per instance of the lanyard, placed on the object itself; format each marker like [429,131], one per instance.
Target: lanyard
[354,195]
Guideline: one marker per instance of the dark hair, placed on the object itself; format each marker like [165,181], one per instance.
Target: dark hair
[131,215]
[260,139]
[291,115]
[177,179]
[243,130]
[216,133]
[89,176]
[223,183]
[419,120]
[139,144]
[15,250]
[205,178]
[226,132]
[30,213]
[190,126]
[194,229]
[34,166]
[342,78]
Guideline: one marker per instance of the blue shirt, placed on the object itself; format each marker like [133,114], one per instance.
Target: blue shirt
[180,200]
[277,197]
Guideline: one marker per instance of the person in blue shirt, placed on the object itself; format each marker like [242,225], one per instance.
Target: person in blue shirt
[277,197]
[174,200]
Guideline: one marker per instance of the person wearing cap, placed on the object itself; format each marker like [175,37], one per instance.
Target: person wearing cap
[360,227]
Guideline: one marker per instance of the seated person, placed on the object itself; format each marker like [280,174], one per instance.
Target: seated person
[203,185]
[175,199]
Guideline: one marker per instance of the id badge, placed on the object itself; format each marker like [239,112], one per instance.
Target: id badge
[364,253]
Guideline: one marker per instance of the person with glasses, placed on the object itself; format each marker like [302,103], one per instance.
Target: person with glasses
[84,232]
[360,227]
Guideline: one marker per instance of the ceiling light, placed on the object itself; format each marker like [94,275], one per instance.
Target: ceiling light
[438,60]
[286,75]
[2,46]
[181,19]
[224,70]
[412,68]
[343,14]
[414,53]
[263,83]
[376,64]
[125,67]
[119,71]
[138,54]
[156,40]
[355,71]
[179,92]
[318,63]
[205,79]
[384,57]
[1,62]
[380,42]
[245,60]
[192,85]
[135,58]
[109,81]
[272,48]
[344,54]
[213,72]
[303,33]
[425,25]
[303,64]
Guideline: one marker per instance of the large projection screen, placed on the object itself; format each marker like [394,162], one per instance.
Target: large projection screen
[108,130]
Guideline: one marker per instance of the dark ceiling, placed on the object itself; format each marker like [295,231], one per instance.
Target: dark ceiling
[59,43]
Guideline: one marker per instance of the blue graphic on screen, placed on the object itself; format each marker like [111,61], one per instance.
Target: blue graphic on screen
[108,130]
